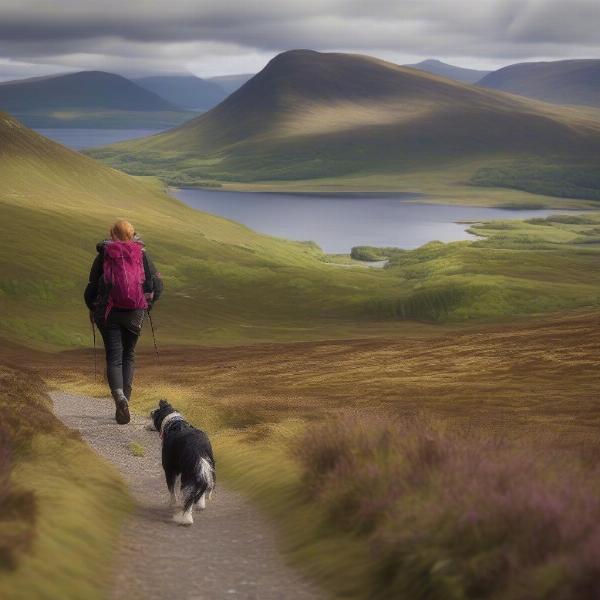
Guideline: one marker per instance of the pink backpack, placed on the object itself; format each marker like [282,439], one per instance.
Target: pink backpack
[124,274]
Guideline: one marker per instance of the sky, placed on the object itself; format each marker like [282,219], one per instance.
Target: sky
[219,37]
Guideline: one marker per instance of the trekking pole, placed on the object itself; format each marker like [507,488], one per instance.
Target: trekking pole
[153,336]
[94,338]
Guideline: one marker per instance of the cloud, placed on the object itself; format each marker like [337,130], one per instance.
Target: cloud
[211,37]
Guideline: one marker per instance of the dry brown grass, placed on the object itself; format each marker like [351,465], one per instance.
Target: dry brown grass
[532,384]
[539,375]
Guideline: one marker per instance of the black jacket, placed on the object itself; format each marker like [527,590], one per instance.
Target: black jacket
[96,291]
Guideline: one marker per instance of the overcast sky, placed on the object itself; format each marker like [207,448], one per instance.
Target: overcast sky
[215,37]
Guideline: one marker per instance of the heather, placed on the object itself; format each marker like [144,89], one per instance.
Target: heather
[449,514]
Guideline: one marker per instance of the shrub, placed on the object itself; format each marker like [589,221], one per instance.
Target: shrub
[457,516]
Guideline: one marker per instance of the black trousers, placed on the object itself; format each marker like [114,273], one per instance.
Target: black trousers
[119,344]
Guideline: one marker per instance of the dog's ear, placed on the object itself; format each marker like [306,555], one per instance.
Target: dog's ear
[163,404]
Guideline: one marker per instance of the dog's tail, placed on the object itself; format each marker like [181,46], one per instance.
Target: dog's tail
[205,473]
[204,476]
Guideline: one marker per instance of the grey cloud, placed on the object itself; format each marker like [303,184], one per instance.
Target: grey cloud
[167,35]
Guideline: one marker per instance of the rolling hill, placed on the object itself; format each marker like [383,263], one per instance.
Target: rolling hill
[86,89]
[227,284]
[437,67]
[224,281]
[309,116]
[559,82]
[185,91]
[87,99]
[230,83]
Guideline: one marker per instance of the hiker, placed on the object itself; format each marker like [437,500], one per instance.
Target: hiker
[122,287]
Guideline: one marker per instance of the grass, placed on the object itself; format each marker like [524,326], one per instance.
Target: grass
[225,281]
[227,284]
[137,449]
[564,180]
[462,346]
[521,395]
[62,506]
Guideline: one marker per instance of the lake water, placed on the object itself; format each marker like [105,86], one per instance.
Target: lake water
[338,222]
[77,139]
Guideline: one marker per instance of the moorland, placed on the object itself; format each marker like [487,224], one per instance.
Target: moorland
[465,373]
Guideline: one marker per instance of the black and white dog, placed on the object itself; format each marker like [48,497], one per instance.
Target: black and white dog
[186,452]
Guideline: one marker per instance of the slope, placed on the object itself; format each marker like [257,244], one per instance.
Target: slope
[437,67]
[224,281]
[88,99]
[227,284]
[310,115]
[185,91]
[230,83]
[86,89]
[560,82]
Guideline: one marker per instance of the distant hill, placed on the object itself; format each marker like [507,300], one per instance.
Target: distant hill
[230,83]
[185,91]
[83,90]
[560,82]
[437,67]
[310,115]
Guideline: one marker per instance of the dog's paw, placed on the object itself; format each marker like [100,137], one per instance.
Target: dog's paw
[183,518]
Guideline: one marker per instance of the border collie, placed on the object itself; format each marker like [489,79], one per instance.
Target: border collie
[186,453]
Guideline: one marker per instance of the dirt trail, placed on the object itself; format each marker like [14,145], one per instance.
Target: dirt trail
[229,552]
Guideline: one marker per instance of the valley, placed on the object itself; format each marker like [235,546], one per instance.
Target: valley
[412,430]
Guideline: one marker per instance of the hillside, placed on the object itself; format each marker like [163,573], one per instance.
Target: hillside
[88,99]
[86,89]
[224,281]
[437,67]
[185,91]
[309,115]
[227,284]
[230,83]
[560,82]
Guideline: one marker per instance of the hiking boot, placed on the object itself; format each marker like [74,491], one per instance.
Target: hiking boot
[122,416]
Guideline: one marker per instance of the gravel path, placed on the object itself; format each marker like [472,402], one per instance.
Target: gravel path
[229,552]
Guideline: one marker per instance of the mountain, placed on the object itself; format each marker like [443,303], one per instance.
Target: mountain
[83,90]
[185,91]
[560,82]
[437,67]
[359,120]
[230,83]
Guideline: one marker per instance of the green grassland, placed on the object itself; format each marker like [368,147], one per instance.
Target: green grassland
[62,507]
[227,284]
[353,122]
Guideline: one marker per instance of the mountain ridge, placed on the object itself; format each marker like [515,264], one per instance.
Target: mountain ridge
[185,91]
[438,67]
[574,81]
[82,89]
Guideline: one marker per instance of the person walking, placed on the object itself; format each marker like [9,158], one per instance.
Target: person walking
[123,286]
